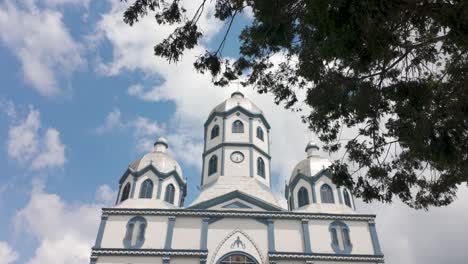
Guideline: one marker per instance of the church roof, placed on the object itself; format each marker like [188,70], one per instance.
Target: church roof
[237,99]
[312,165]
[247,185]
[159,159]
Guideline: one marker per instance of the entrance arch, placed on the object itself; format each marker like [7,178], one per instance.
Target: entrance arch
[237,257]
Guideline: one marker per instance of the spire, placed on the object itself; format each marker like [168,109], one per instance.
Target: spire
[161,145]
[312,149]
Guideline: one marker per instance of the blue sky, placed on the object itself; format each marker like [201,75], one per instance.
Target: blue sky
[82,96]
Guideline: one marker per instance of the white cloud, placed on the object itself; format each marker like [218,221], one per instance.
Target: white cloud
[23,138]
[26,144]
[65,231]
[53,154]
[106,195]
[143,129]
[7,254]
[42,43]
[113,121]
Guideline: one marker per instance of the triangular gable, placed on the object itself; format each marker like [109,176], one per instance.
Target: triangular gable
[239,197]
[237,204]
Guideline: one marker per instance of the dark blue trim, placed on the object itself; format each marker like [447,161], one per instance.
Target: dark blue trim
[375,239]
[204,234]
[314,197]
[193,212]
[322,257]
[232,195]
[250,149]
[166,260]
[306,236]
[237,253]
[133,187]
[158,194]
[139,242]
[236,144]
[237,109]
[148,252]
[102,226]
[118,194]
[170,232]
[340,197]
[271,235]
[237,204]
[346,248]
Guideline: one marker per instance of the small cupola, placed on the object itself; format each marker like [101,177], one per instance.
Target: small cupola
[312,150]
[161,145]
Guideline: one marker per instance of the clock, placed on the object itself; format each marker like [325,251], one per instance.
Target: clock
[237,157]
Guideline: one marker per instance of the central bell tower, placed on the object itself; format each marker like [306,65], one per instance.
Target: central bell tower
[236,142]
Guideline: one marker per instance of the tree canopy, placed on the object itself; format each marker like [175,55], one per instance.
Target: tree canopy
[396,71]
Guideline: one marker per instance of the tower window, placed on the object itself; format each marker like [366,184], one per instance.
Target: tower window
[260,133]
[326,194]
[125,192]
[215,131]
[340,239]
[146,190]
[237,127]
[135,234]
[302,197]
[347,198]
[260,167]
[213,165]
[170,193]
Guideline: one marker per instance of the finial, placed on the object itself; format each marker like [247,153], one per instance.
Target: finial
[311,149]
[161,145]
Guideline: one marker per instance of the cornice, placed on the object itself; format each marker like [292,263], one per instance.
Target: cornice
[326,257]
[238,214]
[147,252]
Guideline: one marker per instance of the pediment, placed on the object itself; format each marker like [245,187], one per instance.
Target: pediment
[236,200]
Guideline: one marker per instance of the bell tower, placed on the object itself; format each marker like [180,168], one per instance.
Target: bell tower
[236,142]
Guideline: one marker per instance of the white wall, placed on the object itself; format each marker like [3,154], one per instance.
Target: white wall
[187,233]
[288,236]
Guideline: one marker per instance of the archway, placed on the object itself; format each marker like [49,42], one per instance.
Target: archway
[237,257]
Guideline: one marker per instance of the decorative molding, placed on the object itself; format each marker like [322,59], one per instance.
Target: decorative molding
[233,195]
[237,204]
[347,248]
[374,238]
[236,144]
[101,229]
[204,234]
[271,235]
[325,257]
[147,252]
[170,232]
[237,109]
[251,159]
[238,214]
[306,236]
[215,252]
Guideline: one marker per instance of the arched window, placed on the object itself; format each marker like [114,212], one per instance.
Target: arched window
[215,131]
[302,197]
[146,189]
[260,167]
[125,192]
[260,133]
[170,193]
[340,239]
[135,234]
[213,165]
[237,127]
[237,258]
[326,194]
[347,198]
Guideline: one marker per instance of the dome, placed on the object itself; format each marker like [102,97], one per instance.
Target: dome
[237,99]
[313,164]
[158,158]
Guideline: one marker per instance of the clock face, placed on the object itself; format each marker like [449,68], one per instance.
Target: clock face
[237,157]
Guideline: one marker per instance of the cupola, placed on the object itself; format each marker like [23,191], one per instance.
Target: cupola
[311,189]
[153,181]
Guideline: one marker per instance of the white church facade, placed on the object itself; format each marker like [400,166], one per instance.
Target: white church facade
[236,219]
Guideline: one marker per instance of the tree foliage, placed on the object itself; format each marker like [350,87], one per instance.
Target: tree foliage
[394,70]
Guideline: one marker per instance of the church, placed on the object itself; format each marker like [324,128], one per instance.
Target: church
[236,218]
